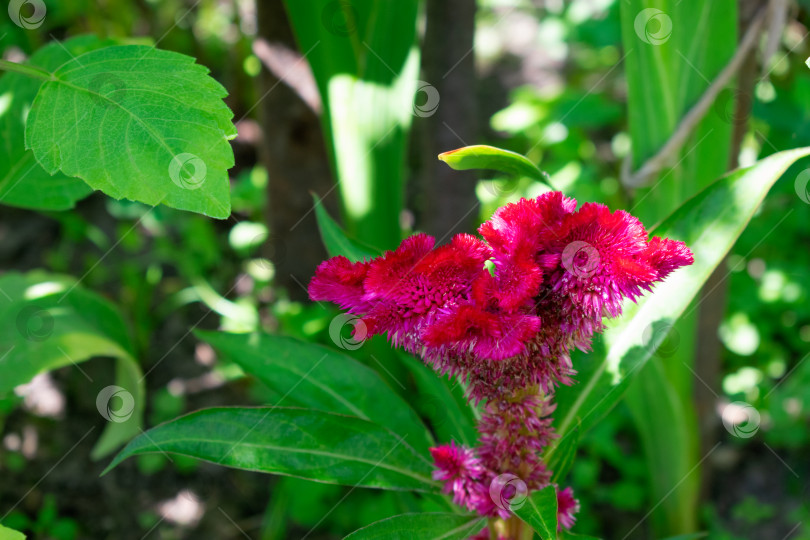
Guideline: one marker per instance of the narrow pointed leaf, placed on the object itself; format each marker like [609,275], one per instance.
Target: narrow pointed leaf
[335,239]
[428,526]
[488,157]
[315,445]
[709,223]
[317,377]
[139,123]
[540,511]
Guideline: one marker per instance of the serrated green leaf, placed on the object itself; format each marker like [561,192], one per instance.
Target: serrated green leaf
[427,526]
[335,239]
[317,377]
[48,321]
[488,157]
[314,445]
[709,223]
[540,511]
[139,123]
[23,182]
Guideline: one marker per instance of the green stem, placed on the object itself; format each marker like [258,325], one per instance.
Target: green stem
[28,71]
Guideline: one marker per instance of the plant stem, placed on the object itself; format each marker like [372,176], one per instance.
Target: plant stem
[28,71]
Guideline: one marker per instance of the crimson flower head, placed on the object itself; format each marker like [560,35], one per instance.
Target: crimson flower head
[554,272]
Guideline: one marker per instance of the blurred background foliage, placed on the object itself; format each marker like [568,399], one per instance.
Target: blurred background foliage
[546,79]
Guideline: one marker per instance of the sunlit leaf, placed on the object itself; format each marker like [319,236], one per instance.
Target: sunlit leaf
[489,157]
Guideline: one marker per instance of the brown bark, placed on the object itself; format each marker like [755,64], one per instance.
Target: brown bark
[294,154]
[447,199]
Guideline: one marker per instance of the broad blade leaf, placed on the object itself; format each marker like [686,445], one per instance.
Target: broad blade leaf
[139,123]
[23,182]
[10,534]
[317,377]
[335,239]
[709,223]
[442,400]
[48,322]
[488,157]
[563,458]
[427,526]
[314,445]
[540,511]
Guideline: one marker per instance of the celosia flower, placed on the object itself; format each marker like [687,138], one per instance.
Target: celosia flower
[567,507]
[557,272]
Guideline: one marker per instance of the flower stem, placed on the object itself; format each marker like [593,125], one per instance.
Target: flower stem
[23,69]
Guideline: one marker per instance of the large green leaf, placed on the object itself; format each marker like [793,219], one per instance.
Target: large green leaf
[317,377]
[365,60]
[48,321]
[709,223]
[335,239]
[540,511]
[23,182]
[314,445]
[139,123]
[423,526]
[442,400]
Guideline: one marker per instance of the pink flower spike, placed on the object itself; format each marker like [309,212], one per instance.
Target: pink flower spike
[340,281]
[460,470]
[567,507]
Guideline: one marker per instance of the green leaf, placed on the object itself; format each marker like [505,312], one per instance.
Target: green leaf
[335,239]
[562,459]
[47,322]
[442,400]
[364,56]
[709,223]
[139,123]
[488,157]
[540,511]
[690,536]
[317,377]
[23,182]
[314,445]
[427,526]
[10,534]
